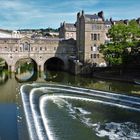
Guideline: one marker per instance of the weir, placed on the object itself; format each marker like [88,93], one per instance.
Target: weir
[36,96]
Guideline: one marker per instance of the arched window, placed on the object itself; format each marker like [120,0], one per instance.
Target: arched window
[95,37]
[26,46]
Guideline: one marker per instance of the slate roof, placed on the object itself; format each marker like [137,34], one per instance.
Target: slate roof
[92,16]
[70,25]
[108,22]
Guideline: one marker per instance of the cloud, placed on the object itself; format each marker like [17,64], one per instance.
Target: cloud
[43,13]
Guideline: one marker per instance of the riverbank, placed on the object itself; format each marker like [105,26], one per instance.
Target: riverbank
[130,77]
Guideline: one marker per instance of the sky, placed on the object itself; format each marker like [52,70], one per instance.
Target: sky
[36,14]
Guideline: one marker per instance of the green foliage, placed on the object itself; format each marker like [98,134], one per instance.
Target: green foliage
[123,38]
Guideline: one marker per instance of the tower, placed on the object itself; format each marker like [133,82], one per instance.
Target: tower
[90,35]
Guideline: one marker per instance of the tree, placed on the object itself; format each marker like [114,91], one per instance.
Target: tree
[124,40]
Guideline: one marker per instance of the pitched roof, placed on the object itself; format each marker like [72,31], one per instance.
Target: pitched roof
[70,25]
[92,16]
[108,22]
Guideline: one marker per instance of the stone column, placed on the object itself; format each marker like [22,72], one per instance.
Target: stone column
[11,68]
[40,67]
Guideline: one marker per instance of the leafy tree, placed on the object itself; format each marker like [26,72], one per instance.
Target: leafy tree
[124,42]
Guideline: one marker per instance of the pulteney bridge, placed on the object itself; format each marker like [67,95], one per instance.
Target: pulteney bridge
[40,50]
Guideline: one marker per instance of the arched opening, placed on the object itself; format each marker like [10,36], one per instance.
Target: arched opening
[3,71]
[26,69]
[54,64]
[3,64]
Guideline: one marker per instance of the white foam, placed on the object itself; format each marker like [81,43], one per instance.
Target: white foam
[28,115]
[112,97]
[119,131]
[36,118]
[59,100]
[45,120]
[101,133]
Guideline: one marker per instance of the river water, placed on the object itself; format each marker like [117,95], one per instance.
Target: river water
[82,119]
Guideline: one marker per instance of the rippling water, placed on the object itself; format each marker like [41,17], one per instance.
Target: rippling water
[57,112]
[87,119]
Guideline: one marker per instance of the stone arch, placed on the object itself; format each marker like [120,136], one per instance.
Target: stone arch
[4,62]
[54,63]
[32,59]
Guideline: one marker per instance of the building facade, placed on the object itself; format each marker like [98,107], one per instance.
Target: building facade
[67,31]
[39,50]
[91,33]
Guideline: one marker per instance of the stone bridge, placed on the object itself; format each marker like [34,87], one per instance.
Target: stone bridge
[39,50]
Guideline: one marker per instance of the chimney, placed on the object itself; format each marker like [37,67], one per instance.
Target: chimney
[64,24]
[126,21]
[101,15]
[82,12]
[138,20]
[78,14]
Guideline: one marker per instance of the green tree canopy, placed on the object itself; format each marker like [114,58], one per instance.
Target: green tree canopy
[124,39]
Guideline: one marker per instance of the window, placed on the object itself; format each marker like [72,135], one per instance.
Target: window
[71,34]
[92,37]
[97,55]
[94,27]
[26,46]
[91,48]
[40,48]
[95,36]
[67,35]
[98,36]
[31,48]
[94,48]
[93,55]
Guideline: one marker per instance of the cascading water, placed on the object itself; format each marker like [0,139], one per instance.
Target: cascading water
[57,112]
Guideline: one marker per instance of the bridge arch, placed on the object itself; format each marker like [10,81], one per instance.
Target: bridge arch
[32,60]
[3,63]
[54,64]
[25,69]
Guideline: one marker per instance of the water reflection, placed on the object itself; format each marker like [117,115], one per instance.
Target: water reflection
[9,91]
[89,82]
[8,83]
[3,77]
[25,70]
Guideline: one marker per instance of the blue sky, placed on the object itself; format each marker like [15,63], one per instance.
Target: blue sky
[19,14]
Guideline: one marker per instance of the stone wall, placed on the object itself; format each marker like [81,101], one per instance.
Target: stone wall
[40,50]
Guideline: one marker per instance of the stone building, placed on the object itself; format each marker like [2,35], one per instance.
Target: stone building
[108,25]
[9,34]
[67,31]
[91,33]
[40,50]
